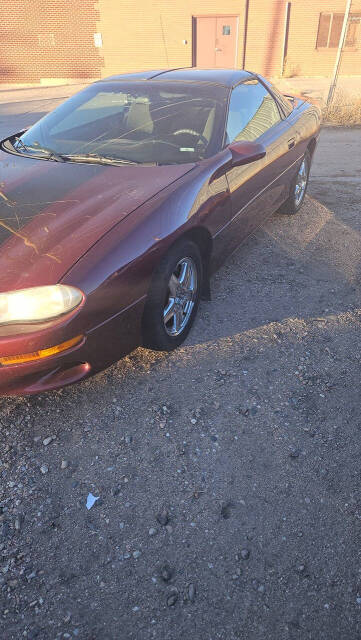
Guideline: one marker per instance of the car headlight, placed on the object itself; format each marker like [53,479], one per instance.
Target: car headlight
[38,303]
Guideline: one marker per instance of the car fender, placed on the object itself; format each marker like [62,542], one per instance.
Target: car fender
[116,272]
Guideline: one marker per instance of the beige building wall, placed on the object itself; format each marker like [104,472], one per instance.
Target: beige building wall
[303,57]
[150,34]
[73,39]
[157,34]
[265,36]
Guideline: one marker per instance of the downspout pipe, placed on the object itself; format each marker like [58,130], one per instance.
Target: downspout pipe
[245,31]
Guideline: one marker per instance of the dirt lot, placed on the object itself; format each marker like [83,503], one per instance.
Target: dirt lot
[228,472]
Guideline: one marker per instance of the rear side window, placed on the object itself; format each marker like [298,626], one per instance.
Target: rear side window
[285,103]
[252,111]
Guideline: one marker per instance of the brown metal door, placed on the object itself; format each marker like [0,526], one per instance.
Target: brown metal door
[216,41]
[226,41]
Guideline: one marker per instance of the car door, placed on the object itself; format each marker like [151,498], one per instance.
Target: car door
[259,188]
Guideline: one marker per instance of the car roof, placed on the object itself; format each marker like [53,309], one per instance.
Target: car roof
[224,77]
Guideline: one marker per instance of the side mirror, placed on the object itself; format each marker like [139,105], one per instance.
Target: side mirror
[245,152]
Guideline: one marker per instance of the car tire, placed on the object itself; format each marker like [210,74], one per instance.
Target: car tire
[298,188]
[177,281]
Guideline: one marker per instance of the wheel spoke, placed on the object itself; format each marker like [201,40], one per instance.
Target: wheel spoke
[169,310]
[178,319]
[301,182]
[185,275]
[173,284]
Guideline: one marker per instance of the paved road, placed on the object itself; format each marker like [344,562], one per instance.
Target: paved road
[247,440]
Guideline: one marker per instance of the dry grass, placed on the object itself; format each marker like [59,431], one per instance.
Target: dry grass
[345,110]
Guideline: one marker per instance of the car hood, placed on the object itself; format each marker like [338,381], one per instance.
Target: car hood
[51,213]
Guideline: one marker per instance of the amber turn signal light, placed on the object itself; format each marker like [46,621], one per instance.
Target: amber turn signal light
[42,353]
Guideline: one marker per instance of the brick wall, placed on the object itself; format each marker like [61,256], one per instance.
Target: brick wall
[303,58]
[149,34]
[66,48]
[265,33]
[54,38]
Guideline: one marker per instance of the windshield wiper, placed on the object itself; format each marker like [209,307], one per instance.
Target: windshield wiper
[17,144]
[51,154]
[94,158]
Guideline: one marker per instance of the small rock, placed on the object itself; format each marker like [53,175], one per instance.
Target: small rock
[163,517]
[245,554]
[169,528]
[191,592]
[31,575]
[44,468]
[137,554]
[172,599]
[128,439]
[64,464]
[226,510]
[166,572]
[18,522]
[12,583]
[295,453]
[152,531]
[48,440]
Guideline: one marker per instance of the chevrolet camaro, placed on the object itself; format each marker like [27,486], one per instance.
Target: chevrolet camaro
[116,207]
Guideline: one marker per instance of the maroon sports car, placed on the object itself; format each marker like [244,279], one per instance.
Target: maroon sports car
[116,207]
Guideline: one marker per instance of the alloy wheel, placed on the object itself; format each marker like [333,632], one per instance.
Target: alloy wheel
[301,182]
[181,296]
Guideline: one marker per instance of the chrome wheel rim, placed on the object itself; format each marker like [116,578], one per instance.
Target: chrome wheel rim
[301,183]
[181,295]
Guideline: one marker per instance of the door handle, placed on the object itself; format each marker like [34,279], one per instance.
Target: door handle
[291,143]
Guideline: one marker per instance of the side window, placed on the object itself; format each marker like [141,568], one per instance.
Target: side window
[286,104]
[252,111]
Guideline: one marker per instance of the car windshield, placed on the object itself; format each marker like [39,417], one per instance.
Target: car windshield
[136,122]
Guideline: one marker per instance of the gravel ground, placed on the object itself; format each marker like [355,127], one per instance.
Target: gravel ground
[227,472]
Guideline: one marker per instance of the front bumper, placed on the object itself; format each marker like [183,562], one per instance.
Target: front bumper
[99,348]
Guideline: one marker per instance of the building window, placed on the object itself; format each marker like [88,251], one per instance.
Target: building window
[330,27]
